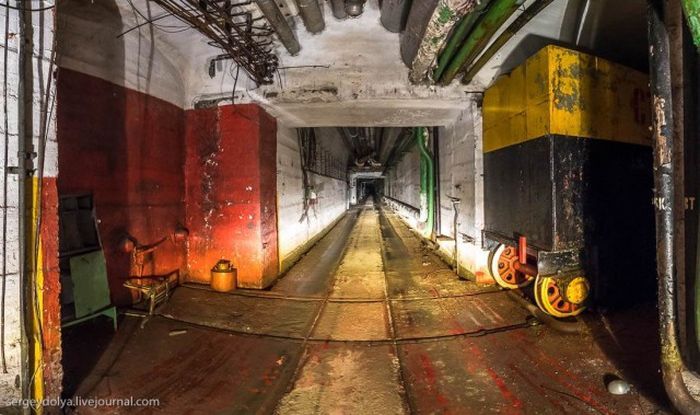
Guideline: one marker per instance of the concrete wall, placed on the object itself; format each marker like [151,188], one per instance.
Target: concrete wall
[90,41]
[127,149]
[404,179]
[461,176]
[359,78]
[296,234]
[230,193]
[48,289]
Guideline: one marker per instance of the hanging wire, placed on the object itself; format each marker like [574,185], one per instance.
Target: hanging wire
[233,32]
[41,9]
[147,20]
[3,286]
[47,107]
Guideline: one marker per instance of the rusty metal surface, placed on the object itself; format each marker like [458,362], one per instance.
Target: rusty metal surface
[352,321]
[346,380]
[362,355]
[456,316]
[198,372]
[275,317]
[525,371]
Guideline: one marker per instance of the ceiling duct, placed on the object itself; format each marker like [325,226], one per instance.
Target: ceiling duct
[394,14]
[274,16]
[417,21]
[338,7]
[311,15]
[354,8]
[232,28]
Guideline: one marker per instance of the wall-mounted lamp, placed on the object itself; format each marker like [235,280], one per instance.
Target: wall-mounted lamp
[130,244]
[180,234]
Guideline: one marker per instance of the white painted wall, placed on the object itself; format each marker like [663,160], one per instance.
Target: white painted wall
[43,29]
[332,193]
[461,176]
[404,179]
[549,26]
[89,42]
[461,173]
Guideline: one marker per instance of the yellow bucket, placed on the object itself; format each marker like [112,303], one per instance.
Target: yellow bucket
[223,276]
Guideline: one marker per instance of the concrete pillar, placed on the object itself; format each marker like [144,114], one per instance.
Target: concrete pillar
[230,175]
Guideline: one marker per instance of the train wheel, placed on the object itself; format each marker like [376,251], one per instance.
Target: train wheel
[561,297]
[502,267]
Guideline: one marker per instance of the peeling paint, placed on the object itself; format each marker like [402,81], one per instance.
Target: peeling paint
[445,16]
[663,147]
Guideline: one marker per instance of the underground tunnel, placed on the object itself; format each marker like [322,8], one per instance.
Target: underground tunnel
[350,207]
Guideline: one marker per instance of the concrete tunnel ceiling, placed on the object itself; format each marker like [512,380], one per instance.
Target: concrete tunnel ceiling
[351,73]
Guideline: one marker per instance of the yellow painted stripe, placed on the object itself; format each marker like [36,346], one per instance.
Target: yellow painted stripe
[569,93]
[36,304]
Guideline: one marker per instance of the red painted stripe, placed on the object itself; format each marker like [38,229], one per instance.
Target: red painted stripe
[516,404]
[430,378]
[587,395]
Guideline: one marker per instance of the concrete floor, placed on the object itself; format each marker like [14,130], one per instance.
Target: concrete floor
[370,321]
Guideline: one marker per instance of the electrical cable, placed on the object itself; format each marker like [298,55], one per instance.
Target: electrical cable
[47,106]
[41,9]
[161,27]
[235,83]
[3,286]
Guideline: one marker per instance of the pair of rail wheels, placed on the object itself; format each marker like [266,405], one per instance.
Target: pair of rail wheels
[558,297]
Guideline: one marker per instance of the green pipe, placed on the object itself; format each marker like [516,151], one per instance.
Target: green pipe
[427,183]
[692,14]
[485,28]
[457,37]
[533,10]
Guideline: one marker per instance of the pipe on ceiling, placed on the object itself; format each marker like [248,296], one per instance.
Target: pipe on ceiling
[485,28]
[444,18]
[390,137]
[311,15]
[416,23]
[532,11]
[279,24]
[461,31]
[354,8]
[338,7]
[394,14]
[427,183]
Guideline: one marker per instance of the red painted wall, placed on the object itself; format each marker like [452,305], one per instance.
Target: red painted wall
[127,149]
[230,174]
[51,318]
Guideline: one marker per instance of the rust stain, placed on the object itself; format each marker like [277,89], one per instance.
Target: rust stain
[565,100]
[663,143]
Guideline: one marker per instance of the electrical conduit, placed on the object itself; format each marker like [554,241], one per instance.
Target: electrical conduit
[461,31]
[445,16]
[427,183]
[486,27]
